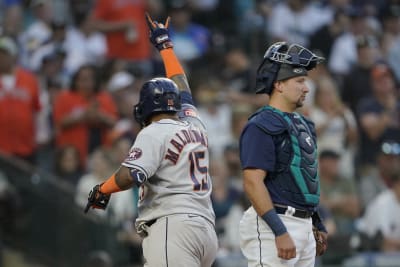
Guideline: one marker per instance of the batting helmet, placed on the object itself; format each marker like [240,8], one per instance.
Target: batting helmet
[283,61]
[158,95]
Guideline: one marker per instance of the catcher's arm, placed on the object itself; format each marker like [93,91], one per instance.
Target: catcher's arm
[160,38]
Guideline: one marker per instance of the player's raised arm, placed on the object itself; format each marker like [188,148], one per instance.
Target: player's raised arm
[159,37]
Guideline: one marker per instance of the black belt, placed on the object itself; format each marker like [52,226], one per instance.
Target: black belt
[280,209]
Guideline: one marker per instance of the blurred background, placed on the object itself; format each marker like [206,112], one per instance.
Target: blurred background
[70,73]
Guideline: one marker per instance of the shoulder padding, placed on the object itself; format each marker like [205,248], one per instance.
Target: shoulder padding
[269,121]
[310,125]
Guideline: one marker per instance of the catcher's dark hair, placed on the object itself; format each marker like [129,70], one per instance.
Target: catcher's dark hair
[95,74]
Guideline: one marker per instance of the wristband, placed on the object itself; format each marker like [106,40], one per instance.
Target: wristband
[317,222]
[321,227]
[110,186]
[274,222]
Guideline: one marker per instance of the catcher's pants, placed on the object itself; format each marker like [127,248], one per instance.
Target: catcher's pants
[180,240]
[258,242]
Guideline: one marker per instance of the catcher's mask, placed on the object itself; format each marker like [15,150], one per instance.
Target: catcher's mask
[283,61]
[158,95]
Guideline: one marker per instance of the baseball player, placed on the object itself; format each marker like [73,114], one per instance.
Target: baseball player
[279,162]
[169,162]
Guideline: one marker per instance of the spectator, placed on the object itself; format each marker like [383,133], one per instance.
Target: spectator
[39,31]
[121,207]
[238,78]
[12,21]
[19,104]
[378,179]
[357,83]
[382,216]
[390,21]
[338,194]
[84,115]
[323,39]
[67,165]
[124,90]
[344,49]
[224,197]
[232,160]
[45,129]
[379,114]
[335,124]
[84,45]
[295,20]
[125,30]
[56,44]
[191,40]
[216,114]
[252,21]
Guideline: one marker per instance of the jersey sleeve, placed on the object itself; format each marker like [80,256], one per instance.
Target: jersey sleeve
[190,113]
[145,155]
[257,149]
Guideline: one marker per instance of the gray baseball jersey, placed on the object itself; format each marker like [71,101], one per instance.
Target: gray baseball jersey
[173,156]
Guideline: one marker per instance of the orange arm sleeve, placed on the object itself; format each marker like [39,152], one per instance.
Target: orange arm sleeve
[171,63]
[110,186]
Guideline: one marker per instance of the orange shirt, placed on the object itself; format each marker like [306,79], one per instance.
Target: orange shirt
[67,103]
[18,106]
[124,10]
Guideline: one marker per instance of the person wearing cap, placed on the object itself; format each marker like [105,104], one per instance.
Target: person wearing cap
[278,155]
[121,86]
[356,83]
[382,217]
[19,103]
[378,179]
[378,115]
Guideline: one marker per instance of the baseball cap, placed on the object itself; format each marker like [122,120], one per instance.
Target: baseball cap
[380,71]
[7,44]
[120,80]
[287,71]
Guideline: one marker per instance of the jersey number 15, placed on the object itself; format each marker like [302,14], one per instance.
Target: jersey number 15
[197,170]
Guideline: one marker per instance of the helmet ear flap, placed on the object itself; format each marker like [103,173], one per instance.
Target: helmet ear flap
[266,76]
[138,113]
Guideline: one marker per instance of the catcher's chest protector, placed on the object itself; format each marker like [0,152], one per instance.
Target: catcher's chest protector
[296,170]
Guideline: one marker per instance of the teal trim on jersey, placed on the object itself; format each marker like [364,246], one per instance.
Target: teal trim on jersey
[295,164]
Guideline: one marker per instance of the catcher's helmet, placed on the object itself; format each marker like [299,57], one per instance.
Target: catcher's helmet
[158,95]
[283,61]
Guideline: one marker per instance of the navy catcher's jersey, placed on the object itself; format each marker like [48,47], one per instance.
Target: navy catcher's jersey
[284,145]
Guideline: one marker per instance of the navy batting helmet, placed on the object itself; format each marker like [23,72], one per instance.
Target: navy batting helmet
[283,61]
[158,95]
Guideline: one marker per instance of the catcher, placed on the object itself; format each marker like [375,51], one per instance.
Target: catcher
[278,154]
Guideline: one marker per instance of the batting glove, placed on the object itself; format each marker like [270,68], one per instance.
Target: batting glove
[97,199]
[159,33]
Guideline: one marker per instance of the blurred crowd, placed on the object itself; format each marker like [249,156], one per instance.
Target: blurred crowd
[71,70]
